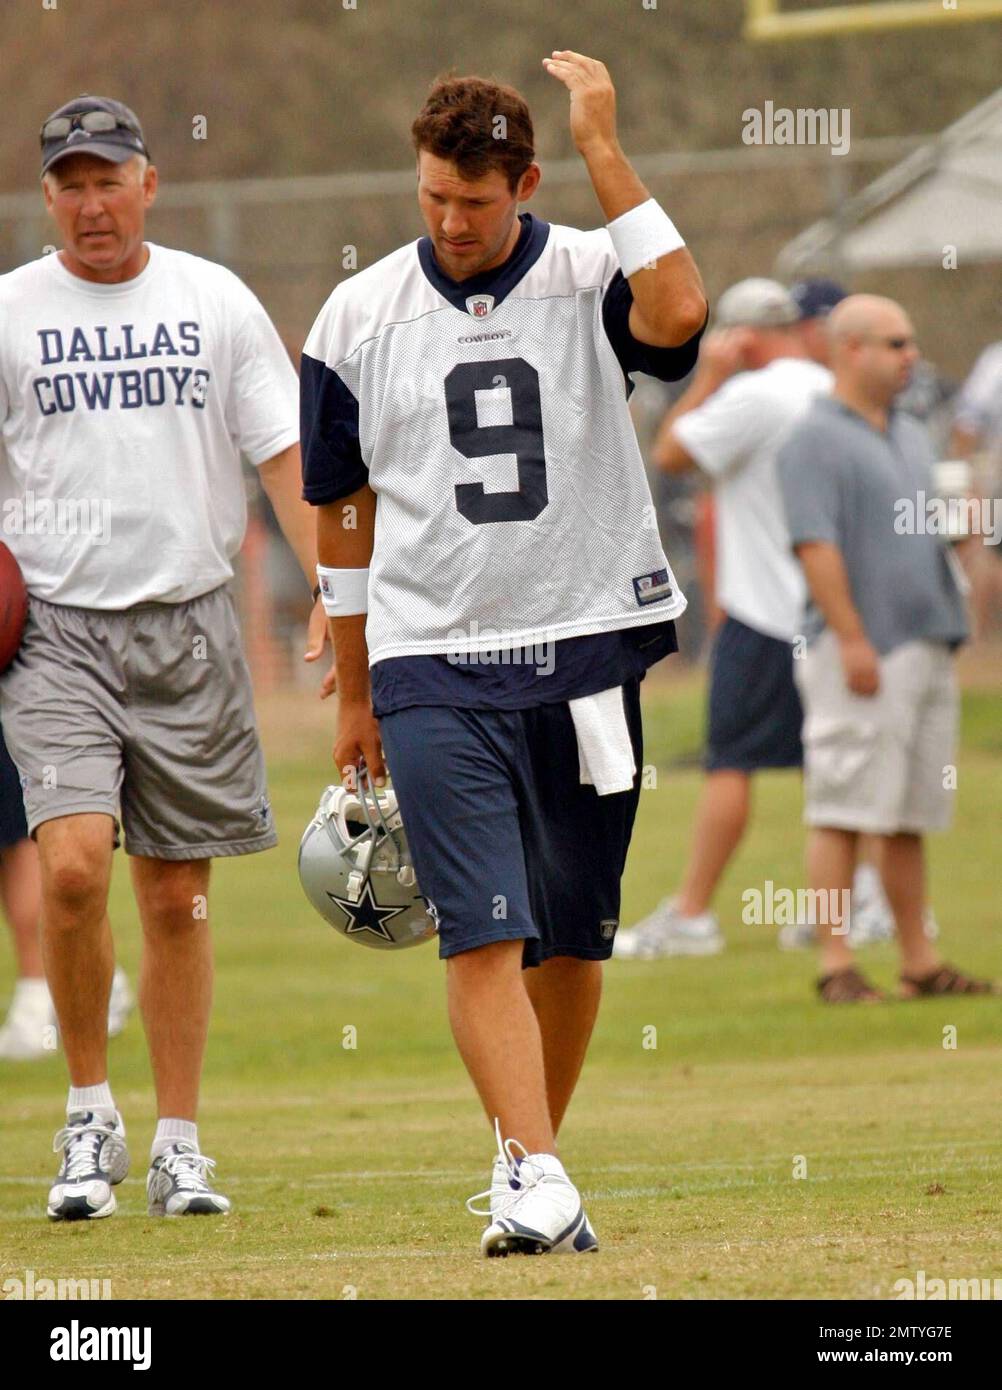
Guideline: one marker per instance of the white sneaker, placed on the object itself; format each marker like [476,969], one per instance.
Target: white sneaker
[797,936]
[29,1030]
[542,1215]
[870,924]
[870,917]
[666,932]
[95,1159]
[178,1184]
[121,1002]
[867,926]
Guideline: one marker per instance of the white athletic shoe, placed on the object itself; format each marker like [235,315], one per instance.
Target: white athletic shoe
[797,936]
[866,928]
[178,1184]
[871,920]
[95,1159]
[29,1031]
[534,1208]
[666,932]
[121,1002]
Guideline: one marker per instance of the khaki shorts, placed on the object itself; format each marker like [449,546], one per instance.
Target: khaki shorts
[146,712]
[882,764]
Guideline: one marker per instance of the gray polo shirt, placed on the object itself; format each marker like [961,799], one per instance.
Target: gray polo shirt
[843,481]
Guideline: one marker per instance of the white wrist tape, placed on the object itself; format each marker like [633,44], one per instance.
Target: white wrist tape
[643,234]
[343,593]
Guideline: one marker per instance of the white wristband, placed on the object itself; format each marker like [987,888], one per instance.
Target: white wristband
[643,234]
[343,593]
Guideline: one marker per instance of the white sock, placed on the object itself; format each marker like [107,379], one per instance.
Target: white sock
[170,1132]
[97,1099]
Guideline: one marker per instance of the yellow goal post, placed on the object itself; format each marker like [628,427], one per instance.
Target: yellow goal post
[769,21]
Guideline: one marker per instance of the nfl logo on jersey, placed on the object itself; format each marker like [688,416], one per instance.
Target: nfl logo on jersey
[480,305]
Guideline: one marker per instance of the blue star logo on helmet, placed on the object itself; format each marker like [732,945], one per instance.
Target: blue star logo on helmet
[366,914]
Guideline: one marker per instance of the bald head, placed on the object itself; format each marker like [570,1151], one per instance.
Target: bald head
[873,348]
[860,315]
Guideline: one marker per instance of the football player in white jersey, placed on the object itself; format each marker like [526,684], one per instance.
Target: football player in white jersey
[496,583]
[132,376]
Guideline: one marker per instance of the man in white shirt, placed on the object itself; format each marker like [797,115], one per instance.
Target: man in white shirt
[977,435]
[132,377]
[978,408]
[754,381]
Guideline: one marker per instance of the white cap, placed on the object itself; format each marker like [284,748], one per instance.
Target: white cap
[756,303]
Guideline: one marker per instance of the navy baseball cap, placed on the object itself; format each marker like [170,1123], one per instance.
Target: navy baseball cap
[92,125]
[816,298]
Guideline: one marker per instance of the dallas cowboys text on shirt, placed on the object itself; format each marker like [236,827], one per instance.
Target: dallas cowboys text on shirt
[81,386]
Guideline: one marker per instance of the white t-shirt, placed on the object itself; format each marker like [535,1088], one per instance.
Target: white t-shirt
[735,436]
[123,411]
[978,406]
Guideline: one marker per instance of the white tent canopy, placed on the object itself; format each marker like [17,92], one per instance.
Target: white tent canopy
[948,194]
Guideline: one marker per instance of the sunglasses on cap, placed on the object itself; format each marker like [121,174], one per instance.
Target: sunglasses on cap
[94,122]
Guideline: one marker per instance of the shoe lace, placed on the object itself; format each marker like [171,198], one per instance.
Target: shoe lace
[189,1169]
[526,1174]
[81,1145]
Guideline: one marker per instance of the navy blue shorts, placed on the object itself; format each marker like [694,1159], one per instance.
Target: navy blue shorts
[755,711]
[507,842]
[13,826]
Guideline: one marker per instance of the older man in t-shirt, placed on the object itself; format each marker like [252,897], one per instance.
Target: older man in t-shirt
[885,617]
[132,377]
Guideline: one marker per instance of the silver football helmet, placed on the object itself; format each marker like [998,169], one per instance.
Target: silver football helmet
[356,869]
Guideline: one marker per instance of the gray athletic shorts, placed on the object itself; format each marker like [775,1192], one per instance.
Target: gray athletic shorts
[147,711]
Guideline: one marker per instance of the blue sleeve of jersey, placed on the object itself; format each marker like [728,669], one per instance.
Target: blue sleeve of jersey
[665,363]
[328,422]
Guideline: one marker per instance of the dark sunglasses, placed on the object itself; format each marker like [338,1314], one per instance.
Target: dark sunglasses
[94,122]
[898,344]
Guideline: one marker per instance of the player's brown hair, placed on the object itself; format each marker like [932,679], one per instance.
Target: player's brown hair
[460,122]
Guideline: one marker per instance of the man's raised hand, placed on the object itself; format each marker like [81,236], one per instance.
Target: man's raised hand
[593,97]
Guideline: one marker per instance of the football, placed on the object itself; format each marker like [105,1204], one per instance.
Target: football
[13,607]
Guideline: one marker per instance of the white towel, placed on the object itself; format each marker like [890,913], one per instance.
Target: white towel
[605,753]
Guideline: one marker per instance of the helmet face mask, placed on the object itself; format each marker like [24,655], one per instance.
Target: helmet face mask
[356,870]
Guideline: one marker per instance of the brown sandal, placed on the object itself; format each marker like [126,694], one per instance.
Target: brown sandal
[848,986]
[945,979]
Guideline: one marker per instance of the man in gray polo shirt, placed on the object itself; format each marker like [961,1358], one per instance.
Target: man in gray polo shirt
[884,619]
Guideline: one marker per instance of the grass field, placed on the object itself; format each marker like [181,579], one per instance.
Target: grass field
[348,1167]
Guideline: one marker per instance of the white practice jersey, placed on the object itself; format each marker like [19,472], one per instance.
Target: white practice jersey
[124,410]
[490,418]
